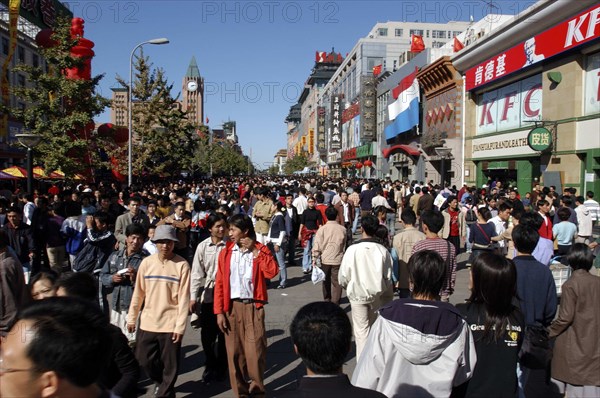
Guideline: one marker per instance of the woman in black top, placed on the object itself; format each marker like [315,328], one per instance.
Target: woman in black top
[481,233]
[497,326]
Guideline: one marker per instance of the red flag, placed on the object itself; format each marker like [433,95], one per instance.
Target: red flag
[458,45]
[207,120]
[416,43]
[376,70]
[405,84]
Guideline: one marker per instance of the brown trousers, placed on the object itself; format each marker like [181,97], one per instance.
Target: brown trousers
[246,345]
[331,278]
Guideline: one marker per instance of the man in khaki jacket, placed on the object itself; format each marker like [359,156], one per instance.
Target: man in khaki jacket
[403,243]
[262,214]
[329,245]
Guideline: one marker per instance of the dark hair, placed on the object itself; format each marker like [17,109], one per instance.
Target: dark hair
[280,206]
[525,238]
[214,218]
[224,209]
[369,224]
[79,284]
[379,210]
[580,257]
[495,286]
[579,199]
[14,209]
[319,197]
[433,219]
[503,207]
[49,276]
[534,220]
[563,213]
[69,336]
[331,213]
[322,334]
[101,216]
[135,199]
[244,223]
[590,194]
[485,213]
[383,236]
[136,229]
[408,216]
[427,271]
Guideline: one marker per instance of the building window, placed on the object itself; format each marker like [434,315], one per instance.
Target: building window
[398,32]
[418,32]
[371,63]
[438,34]
[21,54]
[5,46]
[437,44]
[427,33]
[35,60]
[382,32]
[21,80]
[21,106]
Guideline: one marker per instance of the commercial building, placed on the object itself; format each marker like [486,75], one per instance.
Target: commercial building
[532,103]
[350,99]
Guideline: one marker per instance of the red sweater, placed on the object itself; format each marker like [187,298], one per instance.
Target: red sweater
[264,267]
[545,230]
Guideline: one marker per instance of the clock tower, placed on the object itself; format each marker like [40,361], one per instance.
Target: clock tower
[193,94]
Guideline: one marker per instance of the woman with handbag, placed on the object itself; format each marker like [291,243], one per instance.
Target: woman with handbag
[497,325]
[481,234]
[576,359]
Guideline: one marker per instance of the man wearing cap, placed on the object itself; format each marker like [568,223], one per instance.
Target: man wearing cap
[163,287]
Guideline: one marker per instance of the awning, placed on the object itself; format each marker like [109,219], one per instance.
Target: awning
[408,149]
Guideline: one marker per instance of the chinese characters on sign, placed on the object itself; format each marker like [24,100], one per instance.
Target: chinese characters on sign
[336,122]
[321,147]
[368,98]
[539,139]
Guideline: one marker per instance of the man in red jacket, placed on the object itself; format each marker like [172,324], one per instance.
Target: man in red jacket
[239,298]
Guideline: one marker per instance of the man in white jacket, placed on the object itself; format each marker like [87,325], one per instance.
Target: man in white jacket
[366,274]
[584,222]
[418,347]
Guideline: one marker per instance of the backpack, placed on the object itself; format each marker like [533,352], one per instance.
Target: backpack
[471,216]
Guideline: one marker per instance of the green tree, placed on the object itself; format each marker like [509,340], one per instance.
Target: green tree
[164,139]
[59,109]
[297,163]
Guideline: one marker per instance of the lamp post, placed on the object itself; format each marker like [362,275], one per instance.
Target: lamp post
[29,141]
[130,106]
[443,152]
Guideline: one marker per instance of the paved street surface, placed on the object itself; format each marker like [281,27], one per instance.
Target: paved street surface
[283,366]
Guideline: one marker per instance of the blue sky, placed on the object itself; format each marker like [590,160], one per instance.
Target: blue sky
[254,55]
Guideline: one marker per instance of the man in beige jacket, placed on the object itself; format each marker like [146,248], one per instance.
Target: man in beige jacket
[403,243]
[329,245]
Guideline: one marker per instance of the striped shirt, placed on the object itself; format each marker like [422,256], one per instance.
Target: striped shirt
[443,248]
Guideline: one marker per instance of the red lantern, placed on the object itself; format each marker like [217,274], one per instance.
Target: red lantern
[121,135]
[359,165]
[44,38]
[368,163]
[106,130]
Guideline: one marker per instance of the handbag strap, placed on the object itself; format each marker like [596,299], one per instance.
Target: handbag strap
[486,235]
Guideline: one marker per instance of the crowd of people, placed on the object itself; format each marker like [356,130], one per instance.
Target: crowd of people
[152,258]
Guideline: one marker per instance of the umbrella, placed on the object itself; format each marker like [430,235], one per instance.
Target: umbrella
[16,171]
[38,172]
[6,176]
[57,175]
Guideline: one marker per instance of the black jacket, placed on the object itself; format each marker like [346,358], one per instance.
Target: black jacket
[21,240]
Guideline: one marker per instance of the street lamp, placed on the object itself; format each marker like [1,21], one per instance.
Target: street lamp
[29,141]
[161,40]
[443,152]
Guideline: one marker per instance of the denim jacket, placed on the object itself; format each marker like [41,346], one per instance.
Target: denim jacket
[121,293]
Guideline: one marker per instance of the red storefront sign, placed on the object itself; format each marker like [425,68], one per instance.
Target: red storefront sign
[578,30]
[349,154]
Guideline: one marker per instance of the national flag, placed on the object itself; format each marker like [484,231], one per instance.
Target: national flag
[416,43]
[377,70]
[458,45]
[404,111]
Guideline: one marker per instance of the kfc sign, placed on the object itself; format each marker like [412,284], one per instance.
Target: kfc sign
[580,29]
[510,107]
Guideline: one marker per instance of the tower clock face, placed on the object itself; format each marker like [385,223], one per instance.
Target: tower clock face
[192,86]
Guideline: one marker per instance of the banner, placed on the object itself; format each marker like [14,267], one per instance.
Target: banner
[567,35]
[13,9]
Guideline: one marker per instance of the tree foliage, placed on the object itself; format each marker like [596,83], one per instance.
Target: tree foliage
[297,163]
[59,109]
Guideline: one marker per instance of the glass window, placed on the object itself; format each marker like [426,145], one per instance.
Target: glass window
[373,62]
[438,34]
[21,54]
[21,80]
[5,46]
[416,32]
[383,32]
[35,60]
[399,32]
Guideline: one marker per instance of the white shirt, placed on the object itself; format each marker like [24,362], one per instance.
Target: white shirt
[240,278]
[500,227]
[28,212]
[300,203]
[594,208]
[346,211]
